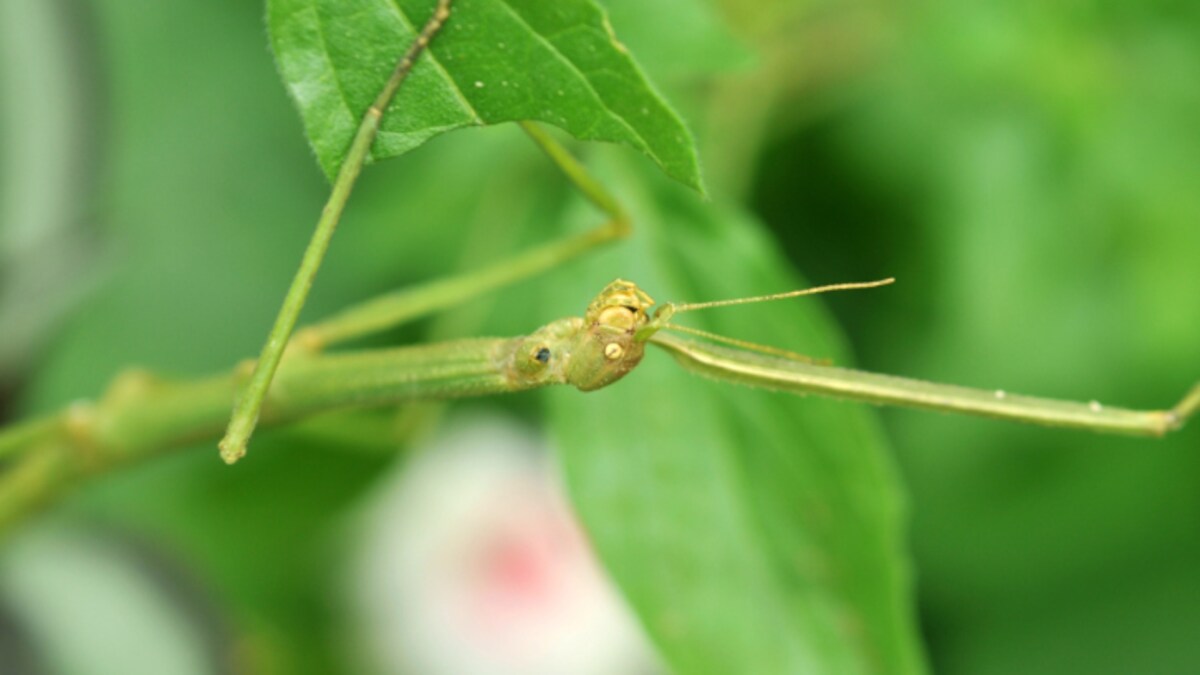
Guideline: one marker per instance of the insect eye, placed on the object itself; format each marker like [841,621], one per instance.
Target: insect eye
[613,351]
[542,355]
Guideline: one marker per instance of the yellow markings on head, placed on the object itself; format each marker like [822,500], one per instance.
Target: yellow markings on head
[620,307]
[619,318]
[613,351]
[604,350]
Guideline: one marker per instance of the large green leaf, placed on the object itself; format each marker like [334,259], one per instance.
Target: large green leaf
[494,61]
[753,532]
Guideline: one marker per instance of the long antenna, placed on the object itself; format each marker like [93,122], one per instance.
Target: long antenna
[688,306]
[662,316]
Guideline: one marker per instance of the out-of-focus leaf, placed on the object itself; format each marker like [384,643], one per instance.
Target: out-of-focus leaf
[1028,174]
[753,532]
[494,61]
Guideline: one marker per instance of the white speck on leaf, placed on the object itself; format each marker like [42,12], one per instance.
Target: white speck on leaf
[478,84]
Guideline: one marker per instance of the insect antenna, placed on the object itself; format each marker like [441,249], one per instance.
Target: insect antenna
[662,317]
[690,306]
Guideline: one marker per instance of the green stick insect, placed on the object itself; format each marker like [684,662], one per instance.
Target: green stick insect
[609,340]
[580,363]
[141,415]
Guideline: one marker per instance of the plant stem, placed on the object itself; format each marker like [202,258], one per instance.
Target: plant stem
[246,409]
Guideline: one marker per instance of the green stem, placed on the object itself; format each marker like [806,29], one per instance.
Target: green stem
[246,409]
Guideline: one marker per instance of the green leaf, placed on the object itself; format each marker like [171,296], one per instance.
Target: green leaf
[494,61]
[753,532]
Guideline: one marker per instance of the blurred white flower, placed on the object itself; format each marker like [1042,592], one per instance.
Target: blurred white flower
[471,563]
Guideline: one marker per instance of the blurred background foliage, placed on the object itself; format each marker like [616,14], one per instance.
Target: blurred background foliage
[1026,169]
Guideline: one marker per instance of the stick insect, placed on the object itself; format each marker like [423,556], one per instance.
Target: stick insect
[756,366]
[609,341]
[142,415]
